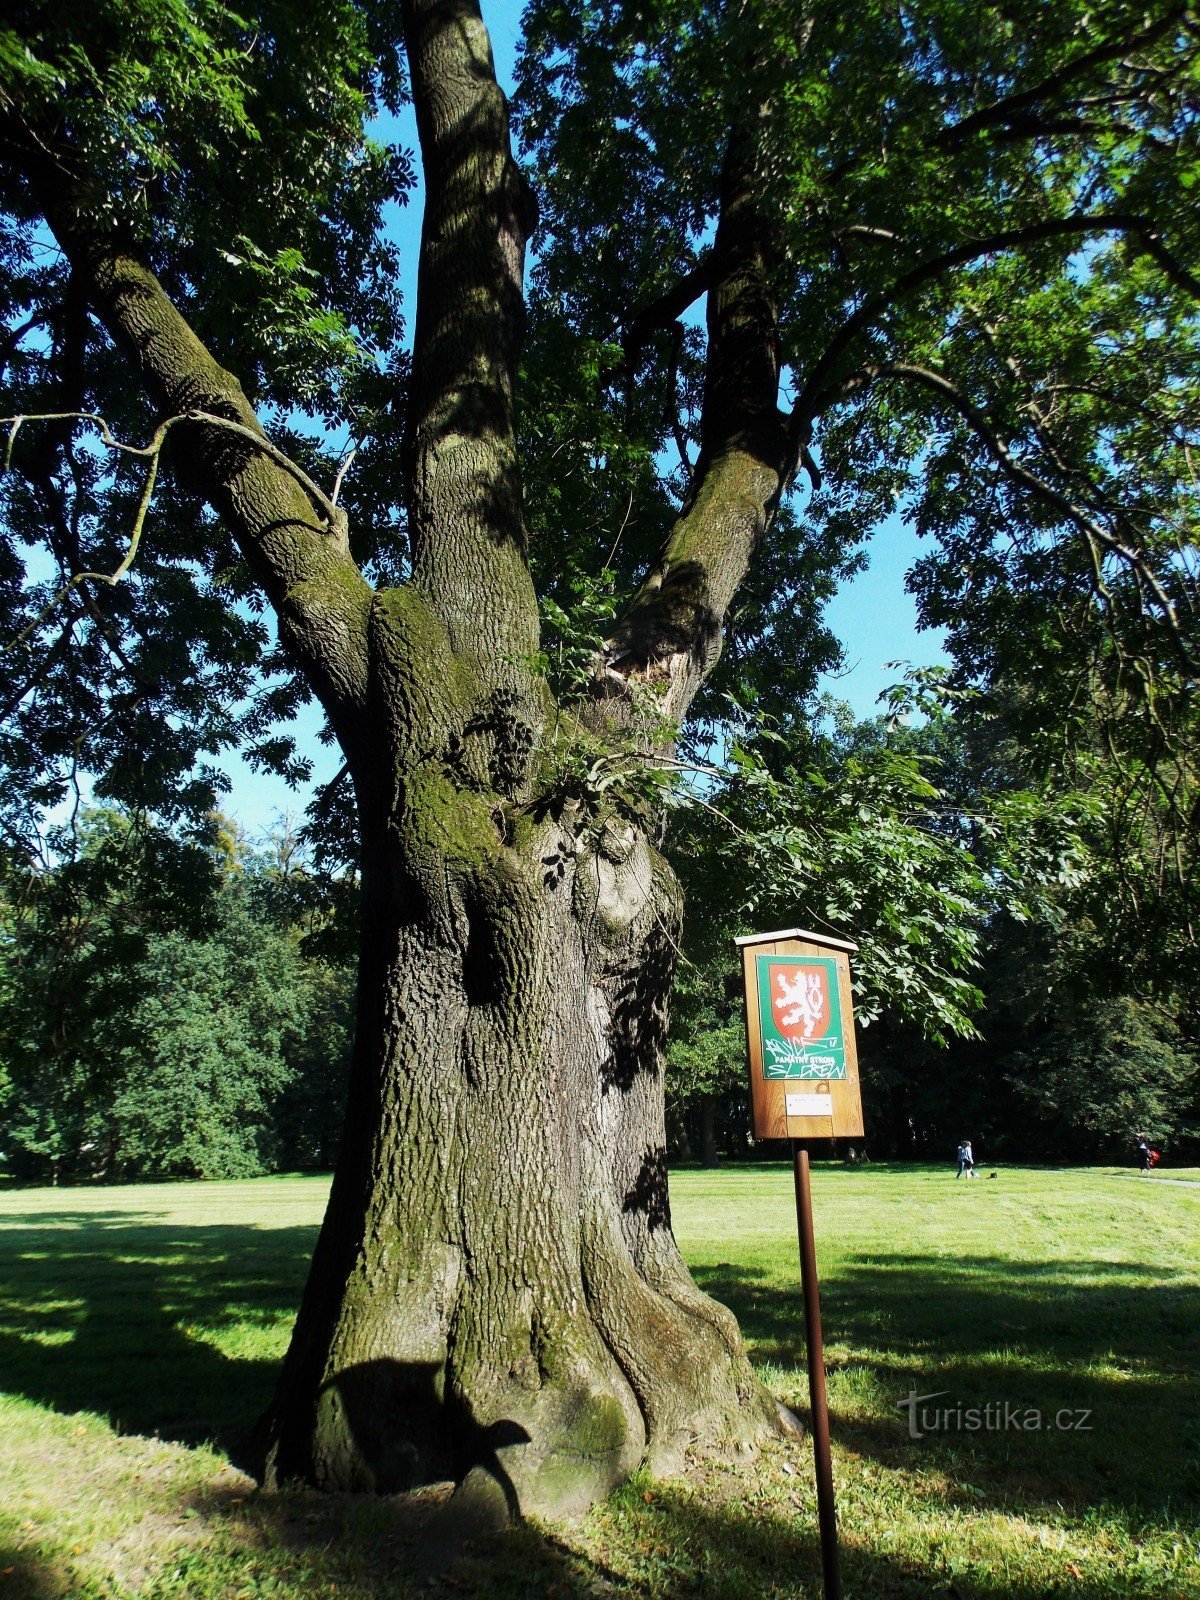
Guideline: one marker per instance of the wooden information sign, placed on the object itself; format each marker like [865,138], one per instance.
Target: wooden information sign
[804,1085]
[800,1036]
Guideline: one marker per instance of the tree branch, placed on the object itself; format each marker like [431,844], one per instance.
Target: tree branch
[1022,101]
[305,569]
[807,403]
[671,634]
[152,453]
[303,564]
[673,418]
[1006,109]
[670,306]
[322,502]
[466,521]
[1016,471]
[10,344]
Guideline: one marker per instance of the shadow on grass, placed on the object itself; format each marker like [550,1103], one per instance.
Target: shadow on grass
[104,1312]
[913,1304]
[676,1547]
[670,1545]
[110,1313]
[1089,1370]
[27,1577]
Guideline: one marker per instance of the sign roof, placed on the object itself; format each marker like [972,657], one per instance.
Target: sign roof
[796,933]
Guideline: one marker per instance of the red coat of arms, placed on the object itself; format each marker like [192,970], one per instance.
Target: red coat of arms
[800,1001]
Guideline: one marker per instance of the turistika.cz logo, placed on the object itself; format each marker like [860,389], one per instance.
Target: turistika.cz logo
[994,1416]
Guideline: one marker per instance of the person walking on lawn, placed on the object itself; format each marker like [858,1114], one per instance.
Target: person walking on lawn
[1148,1156]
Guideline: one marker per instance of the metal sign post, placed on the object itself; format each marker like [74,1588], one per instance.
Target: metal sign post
[831,1566]
[804,1085]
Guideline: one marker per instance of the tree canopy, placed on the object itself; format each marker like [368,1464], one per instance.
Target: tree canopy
[171,1007]
[794,268]
[978,233]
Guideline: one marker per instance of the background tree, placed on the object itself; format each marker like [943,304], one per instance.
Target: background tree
[171,1008]
[944,260]
[1084,961]
[841,824]
[77,923]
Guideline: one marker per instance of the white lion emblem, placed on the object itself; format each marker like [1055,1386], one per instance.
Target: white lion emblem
[800,1000]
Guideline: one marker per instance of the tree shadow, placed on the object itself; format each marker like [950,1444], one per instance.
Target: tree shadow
[683,1544]
[638,996]
[114,1313]
[1087,1355]
[649,1195]
[30,1576]
[686,1544]
[439,1432]
[917,1303]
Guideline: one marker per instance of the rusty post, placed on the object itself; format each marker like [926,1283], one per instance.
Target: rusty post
[822,1461]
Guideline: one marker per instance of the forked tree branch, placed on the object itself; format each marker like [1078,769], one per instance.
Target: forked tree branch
[301,562]
[12,339]
[1021,106]
[325,504]
[669,306]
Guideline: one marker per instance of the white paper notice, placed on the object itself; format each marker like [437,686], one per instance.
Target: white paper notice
[809,1105]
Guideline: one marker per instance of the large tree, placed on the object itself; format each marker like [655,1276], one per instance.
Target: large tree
[941,253]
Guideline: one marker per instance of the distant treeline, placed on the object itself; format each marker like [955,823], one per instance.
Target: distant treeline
[1029,967]
[181,1005]
[1068,1064]
[1074,1084]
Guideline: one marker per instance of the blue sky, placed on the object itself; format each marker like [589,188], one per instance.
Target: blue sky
[873,615]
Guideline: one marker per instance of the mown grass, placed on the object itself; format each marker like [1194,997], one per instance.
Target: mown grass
[140,1327]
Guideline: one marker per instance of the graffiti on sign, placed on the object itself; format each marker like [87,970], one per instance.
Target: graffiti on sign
[800,1014]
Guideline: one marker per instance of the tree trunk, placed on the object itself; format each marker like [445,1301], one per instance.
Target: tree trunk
[496,1288]
[708,1131]
[679,1139]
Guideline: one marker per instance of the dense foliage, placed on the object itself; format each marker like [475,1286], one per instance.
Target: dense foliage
[983,243]
[1046,1024]
[170,1009]
[233,149]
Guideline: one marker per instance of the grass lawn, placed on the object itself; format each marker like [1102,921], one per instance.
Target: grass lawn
[139,1330]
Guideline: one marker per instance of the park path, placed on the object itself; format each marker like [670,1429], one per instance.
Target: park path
[1182,1183]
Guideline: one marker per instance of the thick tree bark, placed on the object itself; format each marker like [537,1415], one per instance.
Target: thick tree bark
[497,1295]
[497,1290]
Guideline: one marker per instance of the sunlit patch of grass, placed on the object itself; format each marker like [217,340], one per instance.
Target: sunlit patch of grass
[140,1330]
